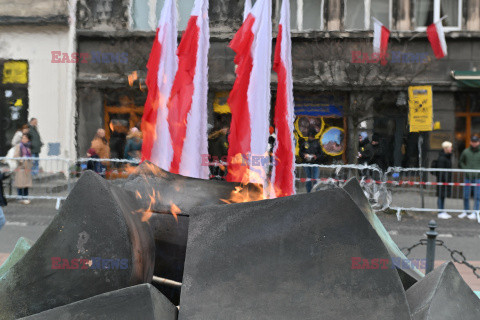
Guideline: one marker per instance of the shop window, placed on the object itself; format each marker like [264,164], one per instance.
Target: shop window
[13,100]
[430,11]
[359,13]
[306,15]
[467,120]
[118,121]
[145,14]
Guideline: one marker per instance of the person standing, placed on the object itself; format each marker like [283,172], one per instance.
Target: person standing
[365,149]
[23,173]
[379,155]
[470,159]
[36,143]
[311,153]
[133,148]
[444,162]
[3,200]
[99,143]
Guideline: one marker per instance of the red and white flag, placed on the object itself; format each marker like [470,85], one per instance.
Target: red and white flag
[283,176]
[162,66]
[249,99]
[187,105]
[380,38]
[436,36]
[246,9]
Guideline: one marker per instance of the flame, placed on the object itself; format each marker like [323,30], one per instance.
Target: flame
[138,195]
[174,210]
[112,128]
[132,77]
[247,191]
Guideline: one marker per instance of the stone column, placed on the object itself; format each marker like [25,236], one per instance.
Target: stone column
[402,15]
[473,15]
[333,14]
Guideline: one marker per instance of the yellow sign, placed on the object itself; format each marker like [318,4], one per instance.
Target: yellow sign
[220,104]
[420,104]
[15,72]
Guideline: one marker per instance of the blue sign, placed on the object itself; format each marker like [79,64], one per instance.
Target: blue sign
[318,106]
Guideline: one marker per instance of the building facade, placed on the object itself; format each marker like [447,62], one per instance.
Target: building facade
[338,85]
[30,84]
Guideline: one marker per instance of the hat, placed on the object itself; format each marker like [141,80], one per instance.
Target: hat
[375,137]
[475,138]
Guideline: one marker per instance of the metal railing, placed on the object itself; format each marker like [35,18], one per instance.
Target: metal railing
[411,189]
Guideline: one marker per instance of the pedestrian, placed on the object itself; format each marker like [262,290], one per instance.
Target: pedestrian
[100,145]
[95,166]
[470,159]
[365,149]
[379,155]
[23,173]
[311,153]
[36,143]
[444,191]
[133,148]
[17,138]
[3,200]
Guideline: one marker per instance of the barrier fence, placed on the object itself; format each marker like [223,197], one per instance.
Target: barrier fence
[411,189]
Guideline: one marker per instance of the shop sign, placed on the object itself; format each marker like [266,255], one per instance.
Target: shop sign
[420,104]
[15,72]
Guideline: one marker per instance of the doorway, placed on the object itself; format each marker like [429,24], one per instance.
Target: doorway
[467,120]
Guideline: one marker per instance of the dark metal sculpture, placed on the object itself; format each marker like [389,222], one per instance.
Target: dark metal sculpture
[138,302]
[288,258]
[410,274]
[443,294]
[96,244]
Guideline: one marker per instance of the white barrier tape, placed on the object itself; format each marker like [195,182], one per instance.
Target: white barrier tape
[400,169]
[34,197]
[108,160]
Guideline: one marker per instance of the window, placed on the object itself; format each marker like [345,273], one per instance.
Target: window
[306,15]
[145,14]
[430,11]
[359,13]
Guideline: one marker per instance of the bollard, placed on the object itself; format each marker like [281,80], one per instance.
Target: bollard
[432,236]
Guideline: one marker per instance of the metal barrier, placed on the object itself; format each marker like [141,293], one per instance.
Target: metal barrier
[410,189]
[417,189]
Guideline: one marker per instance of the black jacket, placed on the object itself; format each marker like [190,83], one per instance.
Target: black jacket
[444,162]
[366,152]
[3,200]
[313,147]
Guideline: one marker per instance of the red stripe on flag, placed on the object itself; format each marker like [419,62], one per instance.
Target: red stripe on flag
[435,41]
[384,45]
[180,101]
[240,132]
[284,154]
[149,119]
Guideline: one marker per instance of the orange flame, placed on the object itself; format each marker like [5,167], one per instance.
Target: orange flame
[174,210]
[132,77]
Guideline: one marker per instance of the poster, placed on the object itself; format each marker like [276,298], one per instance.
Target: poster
[420,115]
[15,72]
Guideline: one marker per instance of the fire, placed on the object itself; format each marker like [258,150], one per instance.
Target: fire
[247,191]
[174,210]
[132,77]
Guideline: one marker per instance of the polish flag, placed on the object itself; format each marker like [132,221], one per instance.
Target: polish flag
[436,36]
[162,66]
[283,176]
[247,8]
[187,106]
[249,99]
[380,39]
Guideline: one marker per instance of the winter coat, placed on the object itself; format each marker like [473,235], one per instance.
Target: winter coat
[101,148]
[17,138]
[35,139]
[444,162]
[23,173]
[379,156]
[133,148]
[470,159]
[313,147]
[3,200]
[366,152]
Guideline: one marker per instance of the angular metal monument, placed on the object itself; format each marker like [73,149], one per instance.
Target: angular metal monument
[96,244]
[443,294]
[142,302]
[287,258]
[409,275]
